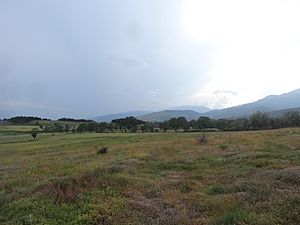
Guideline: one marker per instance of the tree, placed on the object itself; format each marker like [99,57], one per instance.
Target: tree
[223,124]
[173,123]
[164,126]
[260,120]
[193,124]
[92,126]
[182,123]
[67,128]
[147,127]
[73,130]
[130,123]
[291,119]
[34,134]
[276,123]
[59,127]
[238,125]
[204,122]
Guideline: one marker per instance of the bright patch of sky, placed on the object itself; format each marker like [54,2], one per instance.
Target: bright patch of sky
[258,48]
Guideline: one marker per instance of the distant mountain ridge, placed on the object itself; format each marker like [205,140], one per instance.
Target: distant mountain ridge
[168,114]
[110,117]
[274,105]
[280,113]
[268,104]
[199,109]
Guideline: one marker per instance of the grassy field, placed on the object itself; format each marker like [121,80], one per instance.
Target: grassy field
[236,178]
[17,128]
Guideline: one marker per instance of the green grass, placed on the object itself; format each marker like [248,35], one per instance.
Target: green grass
[155,178]
[17,128]
[224,146]
[233,216]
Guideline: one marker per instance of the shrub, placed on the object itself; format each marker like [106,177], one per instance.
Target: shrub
[223,146]
[217,189]
[63,190]
[102,150]
[34,134]
[233,217]
[202,139]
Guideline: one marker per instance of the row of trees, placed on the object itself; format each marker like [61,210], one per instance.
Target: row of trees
[256,121]
[24,119]
[58,127]
[74,120]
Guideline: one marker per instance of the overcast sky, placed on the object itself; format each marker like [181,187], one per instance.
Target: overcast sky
[91,57]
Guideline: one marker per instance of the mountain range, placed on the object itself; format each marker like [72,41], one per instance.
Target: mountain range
[280,113]
[199,109]
[267,104]
[274,105]
[110,117]
[168,114]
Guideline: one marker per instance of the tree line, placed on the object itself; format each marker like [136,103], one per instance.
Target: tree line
[257,121]
[24,119]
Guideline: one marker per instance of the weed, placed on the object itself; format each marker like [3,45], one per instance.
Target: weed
[217,189]
[202,139]
[102,150]
[234,216]
[224,146]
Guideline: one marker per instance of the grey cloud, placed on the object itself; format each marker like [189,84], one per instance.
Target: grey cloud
[85,58]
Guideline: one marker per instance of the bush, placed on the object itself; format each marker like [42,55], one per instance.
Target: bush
[202,139]
[33,134]
[217,189]
[102,150]
[223,146]
[233,217]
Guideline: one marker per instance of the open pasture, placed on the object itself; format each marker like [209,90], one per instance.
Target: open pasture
[151,178]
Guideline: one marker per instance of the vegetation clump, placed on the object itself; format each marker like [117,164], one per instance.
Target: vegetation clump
[34,133]
[223,146]
[233,216]
[217,189]
[202,139]
[102,150]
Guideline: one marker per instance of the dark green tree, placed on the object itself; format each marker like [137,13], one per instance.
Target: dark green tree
[260,120]
[33,134]
[129,123]
[173,123]
[183,123]
[291,119]
[204,122]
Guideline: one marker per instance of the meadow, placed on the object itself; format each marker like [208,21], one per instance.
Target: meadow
[150,178]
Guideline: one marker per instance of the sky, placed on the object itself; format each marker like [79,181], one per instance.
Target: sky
[81,59]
